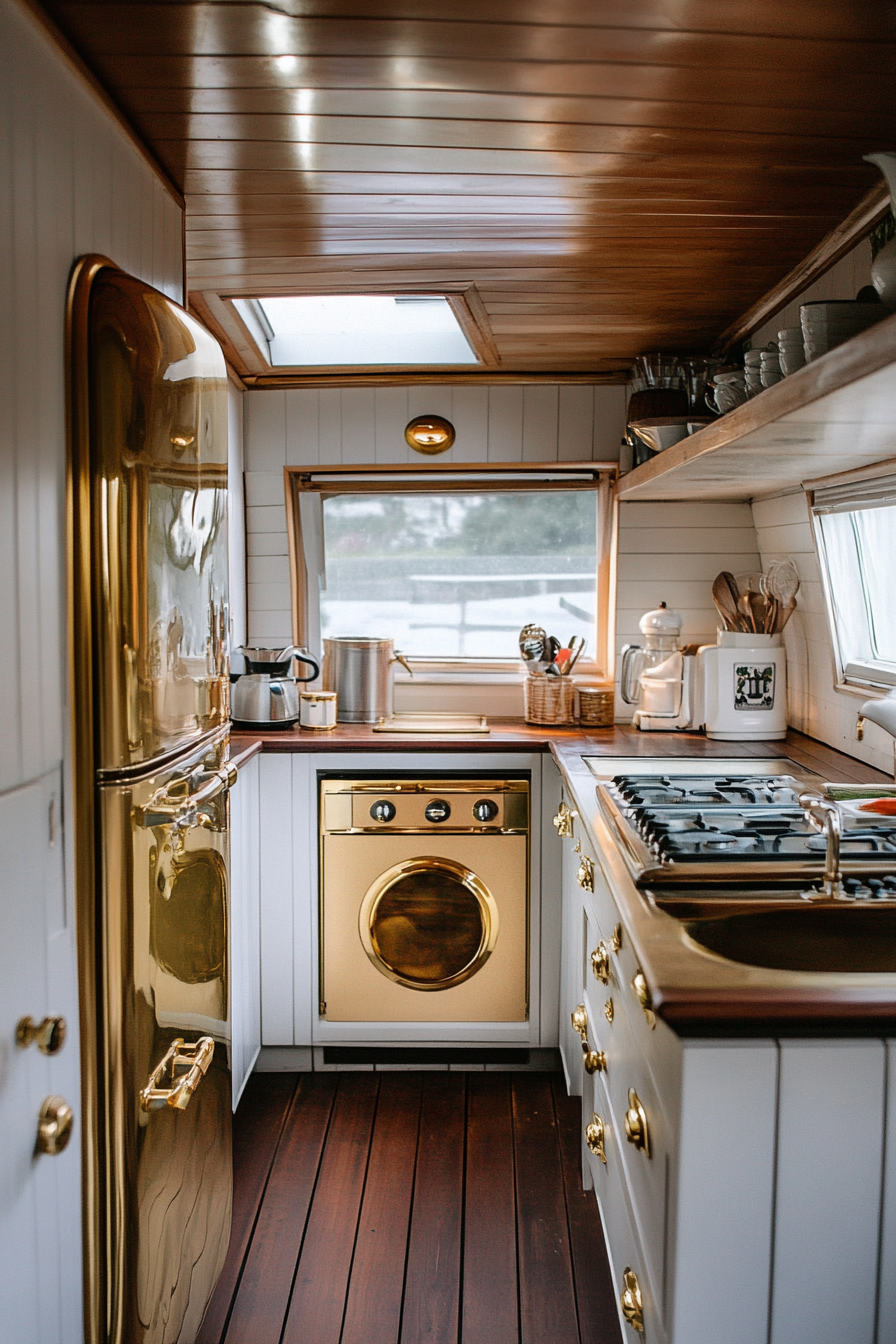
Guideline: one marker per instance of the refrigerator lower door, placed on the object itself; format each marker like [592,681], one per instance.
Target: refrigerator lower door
[164,1034]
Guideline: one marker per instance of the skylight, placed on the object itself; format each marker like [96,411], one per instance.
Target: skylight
[356,329]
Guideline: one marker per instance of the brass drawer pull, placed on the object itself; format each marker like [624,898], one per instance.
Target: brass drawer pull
[585,875]
[54,1126]
[185,1067]
[174,807]
[563,821]
[48,1035]
[609,1011]
[594,1138]
[600,962]
[630,1300]
[636,1128]
[594,1061]
[642,994]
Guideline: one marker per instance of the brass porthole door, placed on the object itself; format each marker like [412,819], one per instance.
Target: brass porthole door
[428,923]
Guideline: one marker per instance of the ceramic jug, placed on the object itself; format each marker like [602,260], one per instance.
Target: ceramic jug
[883,268]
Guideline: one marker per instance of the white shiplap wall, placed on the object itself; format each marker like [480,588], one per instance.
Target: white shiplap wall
[671,552]
[843,281]
[70,183]
[814,706]
[538,423]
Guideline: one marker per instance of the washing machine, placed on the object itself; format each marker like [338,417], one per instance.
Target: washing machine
[424,900]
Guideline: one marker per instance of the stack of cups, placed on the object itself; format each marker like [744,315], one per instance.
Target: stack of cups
[770,366]
[791,351]
[752,371]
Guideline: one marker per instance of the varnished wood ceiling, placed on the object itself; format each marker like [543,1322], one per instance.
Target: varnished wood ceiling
[612,176]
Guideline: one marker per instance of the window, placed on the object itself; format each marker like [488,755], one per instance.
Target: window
[356,329]
[855,528]
[451,565]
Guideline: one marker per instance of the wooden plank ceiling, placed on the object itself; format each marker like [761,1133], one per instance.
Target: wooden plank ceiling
[612,176]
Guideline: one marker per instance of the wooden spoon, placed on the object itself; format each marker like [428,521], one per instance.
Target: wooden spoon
[784,615]
[726,605]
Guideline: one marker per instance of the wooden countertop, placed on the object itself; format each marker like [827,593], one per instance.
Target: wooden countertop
[566,744]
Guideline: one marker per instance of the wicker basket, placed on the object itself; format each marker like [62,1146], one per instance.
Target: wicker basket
[550,700]
[596,706]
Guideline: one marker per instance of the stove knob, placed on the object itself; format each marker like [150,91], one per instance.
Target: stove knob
[437,810]
[875,886]
[890,884]
[382,810]
[485,810]
[852,885]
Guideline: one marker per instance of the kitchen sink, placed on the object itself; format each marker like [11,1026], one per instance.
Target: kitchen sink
[838,938]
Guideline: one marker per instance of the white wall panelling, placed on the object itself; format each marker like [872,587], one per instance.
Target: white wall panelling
[813,705]
[843,281]
[325,426]
[671,552]
[71,182]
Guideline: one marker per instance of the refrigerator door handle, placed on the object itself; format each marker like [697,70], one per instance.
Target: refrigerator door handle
[169,807]
[185,1066]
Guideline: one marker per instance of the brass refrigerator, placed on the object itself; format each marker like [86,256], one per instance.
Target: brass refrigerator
[148,648]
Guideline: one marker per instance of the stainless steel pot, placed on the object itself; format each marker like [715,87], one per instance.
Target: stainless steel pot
[359,670]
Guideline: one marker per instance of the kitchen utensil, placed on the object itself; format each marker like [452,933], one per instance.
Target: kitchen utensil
[576,649]
[360,671]
[276,662]
[781,581]
[532,639]
[725,600]
[551,648]
[784,615]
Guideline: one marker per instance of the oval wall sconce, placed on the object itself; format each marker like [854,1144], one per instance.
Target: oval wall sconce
[430,434]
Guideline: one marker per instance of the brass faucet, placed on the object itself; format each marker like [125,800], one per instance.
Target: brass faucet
[824,815]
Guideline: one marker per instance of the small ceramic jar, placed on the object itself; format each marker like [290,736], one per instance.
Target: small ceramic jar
[317,710]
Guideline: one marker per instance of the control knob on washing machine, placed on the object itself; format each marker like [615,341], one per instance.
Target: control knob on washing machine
[382,810]
[437,810]
[485,809]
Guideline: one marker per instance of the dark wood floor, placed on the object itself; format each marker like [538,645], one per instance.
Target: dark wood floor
[411,1208]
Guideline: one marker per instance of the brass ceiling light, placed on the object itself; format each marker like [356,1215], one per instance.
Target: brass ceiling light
[430,434]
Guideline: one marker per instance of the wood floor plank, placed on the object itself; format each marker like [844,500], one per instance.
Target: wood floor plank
[321,1281]
[595,1294]
[373,1309]
[264,1291]
[256,1132]
[547,1292]
[490,1313]
[432,1282]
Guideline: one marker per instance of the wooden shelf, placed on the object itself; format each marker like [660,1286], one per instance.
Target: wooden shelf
[837,413]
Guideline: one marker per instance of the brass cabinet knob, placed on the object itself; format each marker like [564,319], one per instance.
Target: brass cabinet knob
[54,1126]
[595,1061]
[609,1011]
[48,1035]
[636,1128]
[600,962]
[616,940]
[594,1137]
[585,875]
[630,1300]
[579,1019]
[564,819]
[642,994]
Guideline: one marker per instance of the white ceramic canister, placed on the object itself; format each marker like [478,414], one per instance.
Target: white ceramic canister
[317,710]
[742,684]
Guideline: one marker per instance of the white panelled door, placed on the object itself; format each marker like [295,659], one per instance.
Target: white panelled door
[40,1222]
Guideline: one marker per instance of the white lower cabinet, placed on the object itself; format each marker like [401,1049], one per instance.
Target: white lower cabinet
[762,1209]
[245,925]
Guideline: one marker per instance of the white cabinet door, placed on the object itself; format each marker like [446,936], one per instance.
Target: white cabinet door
[829,1174]
[277,822]
[40,1196]
[245,928]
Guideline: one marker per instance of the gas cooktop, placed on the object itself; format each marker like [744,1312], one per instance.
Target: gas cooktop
[676,826]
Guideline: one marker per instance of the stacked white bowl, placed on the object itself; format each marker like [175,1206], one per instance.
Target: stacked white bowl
[791,352]
[753,372]
[770,366]
[830,323]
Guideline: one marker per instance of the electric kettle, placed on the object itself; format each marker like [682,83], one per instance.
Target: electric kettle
[266,696]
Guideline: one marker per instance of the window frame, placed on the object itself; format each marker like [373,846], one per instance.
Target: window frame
[850,492]
[307,487]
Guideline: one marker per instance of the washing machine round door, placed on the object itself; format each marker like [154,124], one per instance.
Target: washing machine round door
[428,923]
